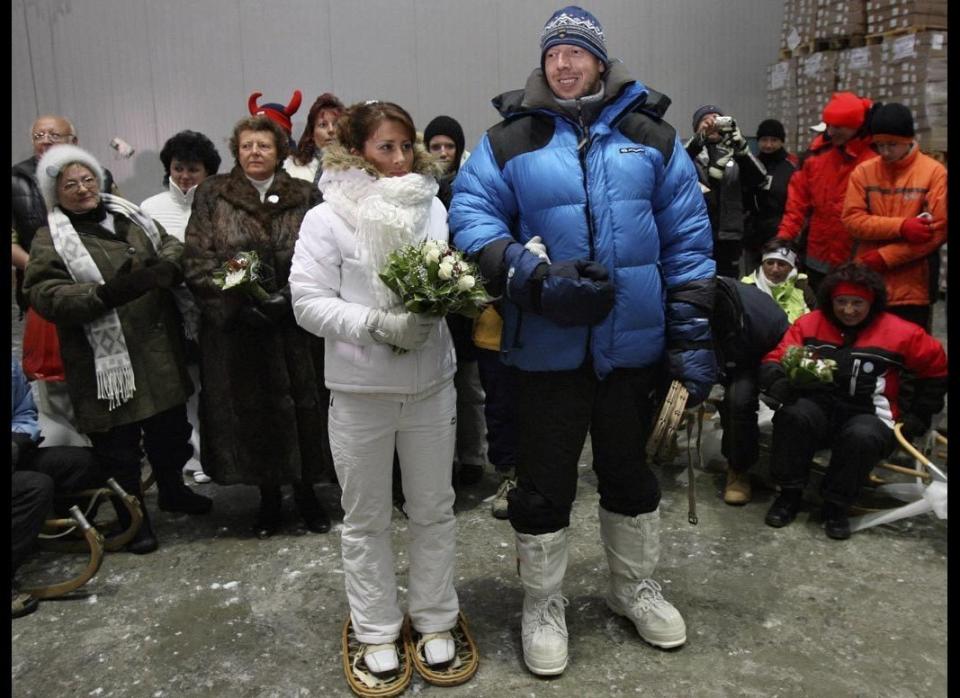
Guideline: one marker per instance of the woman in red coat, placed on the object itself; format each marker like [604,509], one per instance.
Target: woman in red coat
[854,414]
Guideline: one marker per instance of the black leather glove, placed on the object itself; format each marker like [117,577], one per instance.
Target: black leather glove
[577,292]
[780,393]
[253,317]
[277,307]
[128,285]
[913,426]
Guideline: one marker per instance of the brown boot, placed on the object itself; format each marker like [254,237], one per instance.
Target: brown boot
[737,490]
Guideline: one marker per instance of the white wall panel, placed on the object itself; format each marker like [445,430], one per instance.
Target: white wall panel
[145,70]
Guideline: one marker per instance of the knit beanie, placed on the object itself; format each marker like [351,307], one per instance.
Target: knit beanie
[277,113]
[573,25]
[846,110]
[892,119]
[54,161]
[445,126]
[703,111]
[771,128]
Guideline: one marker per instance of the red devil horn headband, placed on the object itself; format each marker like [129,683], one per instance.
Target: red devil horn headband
[290,109]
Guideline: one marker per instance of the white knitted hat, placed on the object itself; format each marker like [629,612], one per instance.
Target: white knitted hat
[54,161]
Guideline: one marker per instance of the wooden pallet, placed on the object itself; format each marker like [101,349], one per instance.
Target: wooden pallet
[901,31]
[832,43]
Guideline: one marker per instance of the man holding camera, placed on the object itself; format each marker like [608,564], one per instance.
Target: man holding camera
[728,171]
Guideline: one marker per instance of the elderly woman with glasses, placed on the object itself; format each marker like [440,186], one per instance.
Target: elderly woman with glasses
[107,275]
[263,403]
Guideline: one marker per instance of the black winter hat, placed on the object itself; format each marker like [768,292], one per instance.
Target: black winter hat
[771,128]
[703,111]
[892,119]
[449,127]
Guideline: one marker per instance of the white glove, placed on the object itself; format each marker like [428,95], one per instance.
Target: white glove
[739,143]
[536,246]
[404,330]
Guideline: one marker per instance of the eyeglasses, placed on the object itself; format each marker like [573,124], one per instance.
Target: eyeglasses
[52,135]
[71,185]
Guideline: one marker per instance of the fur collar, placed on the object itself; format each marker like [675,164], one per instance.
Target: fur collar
[338,158]
[289,193]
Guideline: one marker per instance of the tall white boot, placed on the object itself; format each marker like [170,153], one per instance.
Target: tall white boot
[632,544]
[542,562]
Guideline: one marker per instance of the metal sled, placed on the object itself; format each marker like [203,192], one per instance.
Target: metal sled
[92,541]
[71,536]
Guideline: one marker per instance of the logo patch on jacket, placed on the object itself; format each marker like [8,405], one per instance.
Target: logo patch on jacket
[633,149]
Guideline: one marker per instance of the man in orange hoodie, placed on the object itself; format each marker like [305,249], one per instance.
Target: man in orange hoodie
[816,191]
[896,212]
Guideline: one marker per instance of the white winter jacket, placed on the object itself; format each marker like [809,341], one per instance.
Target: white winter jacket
[171,209]
[332,293]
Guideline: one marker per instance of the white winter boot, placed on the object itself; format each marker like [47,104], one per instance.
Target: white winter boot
[542,561]
[632,544]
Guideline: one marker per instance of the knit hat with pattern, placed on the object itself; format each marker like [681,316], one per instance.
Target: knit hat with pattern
[574,25]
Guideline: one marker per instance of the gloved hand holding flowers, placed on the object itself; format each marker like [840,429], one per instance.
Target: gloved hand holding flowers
[806,371]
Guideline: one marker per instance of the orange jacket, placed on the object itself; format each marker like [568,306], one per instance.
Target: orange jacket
[880,196]
[816,192]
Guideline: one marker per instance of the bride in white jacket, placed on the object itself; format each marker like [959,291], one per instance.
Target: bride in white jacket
[379,191]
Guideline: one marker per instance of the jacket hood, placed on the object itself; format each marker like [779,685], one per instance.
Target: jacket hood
[537,94]
[338,158]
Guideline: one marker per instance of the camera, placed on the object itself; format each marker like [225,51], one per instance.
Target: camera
[724,123]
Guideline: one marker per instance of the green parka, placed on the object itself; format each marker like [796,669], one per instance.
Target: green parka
[152,325]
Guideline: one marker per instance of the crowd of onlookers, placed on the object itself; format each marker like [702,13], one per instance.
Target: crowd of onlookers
[616,256]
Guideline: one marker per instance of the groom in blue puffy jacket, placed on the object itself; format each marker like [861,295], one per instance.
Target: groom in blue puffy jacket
[585,214]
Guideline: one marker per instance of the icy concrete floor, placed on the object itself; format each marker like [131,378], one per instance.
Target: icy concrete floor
[769,612]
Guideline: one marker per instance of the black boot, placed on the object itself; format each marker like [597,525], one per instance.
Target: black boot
[174,496]
[785,507]
[145,541]
[835,521]
[270,516]
[314,516]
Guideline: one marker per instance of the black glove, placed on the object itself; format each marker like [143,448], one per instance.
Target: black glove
[780,392]
[577,292]
[128,285]
[277,307]
[253,317]
[913,426]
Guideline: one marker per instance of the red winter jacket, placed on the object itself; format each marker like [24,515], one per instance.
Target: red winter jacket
[817,190]
[870,363]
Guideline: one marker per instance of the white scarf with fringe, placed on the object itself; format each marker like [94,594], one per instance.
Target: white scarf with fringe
[385,213]
[115,381]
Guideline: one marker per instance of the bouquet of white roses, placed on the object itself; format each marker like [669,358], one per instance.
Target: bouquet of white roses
[805,369]
[434,279]
[243,271]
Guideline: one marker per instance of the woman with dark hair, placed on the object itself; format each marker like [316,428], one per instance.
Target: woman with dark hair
[379,188]
[853,414]
[779,277]
[106,274]
[188,158]
[263,407]
[320,131]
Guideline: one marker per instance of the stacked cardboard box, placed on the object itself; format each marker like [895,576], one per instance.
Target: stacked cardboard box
[799,17]
[888,15]
[913,71]
[782,98]
[857,70]
[816,83]
[840,18]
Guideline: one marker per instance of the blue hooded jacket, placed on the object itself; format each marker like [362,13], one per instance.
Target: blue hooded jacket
[621,192]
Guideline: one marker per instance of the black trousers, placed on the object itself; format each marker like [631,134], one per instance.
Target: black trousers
[857,442]
[554,410]
[166,439]
[498,383]
[31,503]
[740,443]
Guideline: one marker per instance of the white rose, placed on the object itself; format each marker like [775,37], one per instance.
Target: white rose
[446,269]
[431,255]
[466,282]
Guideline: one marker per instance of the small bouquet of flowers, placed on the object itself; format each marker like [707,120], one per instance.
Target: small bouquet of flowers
[243,272]
[435,279]
[805,369]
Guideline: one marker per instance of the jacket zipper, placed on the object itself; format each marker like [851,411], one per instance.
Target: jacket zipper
[582,147]
[853,378]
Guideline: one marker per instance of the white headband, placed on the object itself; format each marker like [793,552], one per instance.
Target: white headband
[783,254]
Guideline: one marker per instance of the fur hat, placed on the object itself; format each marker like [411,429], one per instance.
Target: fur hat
[703,111]
[574,25]
[846,110]
[449,127]
[276,112]
[52,163]
[892,119]
[771,128]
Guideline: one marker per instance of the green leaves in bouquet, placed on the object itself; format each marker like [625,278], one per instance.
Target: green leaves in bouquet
[804,368]
[243,272]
